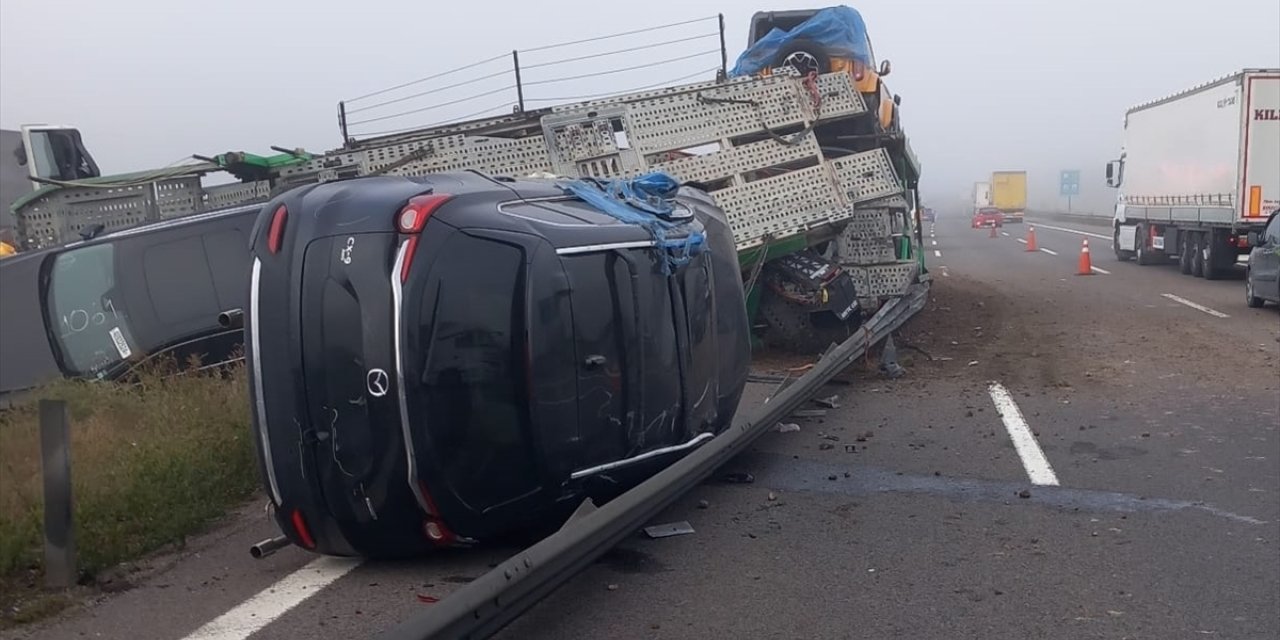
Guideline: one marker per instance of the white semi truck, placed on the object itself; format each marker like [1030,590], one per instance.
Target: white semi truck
[1199,170]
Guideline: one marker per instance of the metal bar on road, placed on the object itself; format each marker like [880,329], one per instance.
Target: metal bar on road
[489,603]
[55,457]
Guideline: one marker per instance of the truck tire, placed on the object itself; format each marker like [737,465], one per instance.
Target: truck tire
[1197,254]
[1144,253]
[1122,256]
[790,325]
[1186,255]
[1215,253]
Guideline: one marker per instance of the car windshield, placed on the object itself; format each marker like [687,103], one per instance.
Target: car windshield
[84,317]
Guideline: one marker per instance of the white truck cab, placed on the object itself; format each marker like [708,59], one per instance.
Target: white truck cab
[36,155]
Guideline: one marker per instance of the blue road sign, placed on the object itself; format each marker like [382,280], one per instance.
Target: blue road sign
[1070,183]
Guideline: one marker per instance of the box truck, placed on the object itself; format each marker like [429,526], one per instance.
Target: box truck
[1199,171]
[981,195]
[1009,194]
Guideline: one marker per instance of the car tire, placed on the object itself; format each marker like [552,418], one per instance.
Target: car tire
[803,56]
[1186,256]
[1122,256]
[1253,301]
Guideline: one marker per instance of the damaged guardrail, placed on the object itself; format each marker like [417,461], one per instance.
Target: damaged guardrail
[487,604]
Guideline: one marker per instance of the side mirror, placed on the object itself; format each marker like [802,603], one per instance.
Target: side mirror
[1114,171]
[897,99]
[885,67]
[1255,240]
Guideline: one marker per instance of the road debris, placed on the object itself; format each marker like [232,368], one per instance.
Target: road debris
[809,413]
[426,599]
[1024,494]
[831,402]
[787,427]
[889,360]
[669,529]
[826,446]
[738,477]
[703,504]
[851,448]
[973,363]
[612,587]
[772,496]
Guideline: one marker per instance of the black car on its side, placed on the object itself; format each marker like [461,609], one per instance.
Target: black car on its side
[452,358]
[98,308]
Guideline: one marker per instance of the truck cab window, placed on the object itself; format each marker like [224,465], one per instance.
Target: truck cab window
[58,154]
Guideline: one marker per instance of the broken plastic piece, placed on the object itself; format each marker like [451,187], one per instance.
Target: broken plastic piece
[739,477]
[832,402]
[670,529]
[788,427]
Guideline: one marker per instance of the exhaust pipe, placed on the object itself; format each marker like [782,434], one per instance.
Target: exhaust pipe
[268,547]
[231,319]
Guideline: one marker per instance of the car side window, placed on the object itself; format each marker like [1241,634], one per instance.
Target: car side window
[1273,230]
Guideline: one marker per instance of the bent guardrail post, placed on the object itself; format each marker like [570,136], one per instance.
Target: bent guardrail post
[489,603]
[55,459]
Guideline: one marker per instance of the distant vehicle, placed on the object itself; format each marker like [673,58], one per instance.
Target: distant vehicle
[1262,277]
[1009,194]
[451,358]
[97,309]
[1199,172]
[928,215]
[988,217]
[981,195]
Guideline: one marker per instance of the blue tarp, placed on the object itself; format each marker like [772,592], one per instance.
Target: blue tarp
[839,30]
[647,201]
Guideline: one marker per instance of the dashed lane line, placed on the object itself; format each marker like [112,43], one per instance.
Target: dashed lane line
[937,253]
[1197,307]
[1040,225]
[1004,233]
[1102,271]
[1049,251]
[269,604]
[1024,441]
[1022,240]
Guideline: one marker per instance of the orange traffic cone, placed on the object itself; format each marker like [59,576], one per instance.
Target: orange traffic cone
[1031,239]
[993,230]
[1086,265]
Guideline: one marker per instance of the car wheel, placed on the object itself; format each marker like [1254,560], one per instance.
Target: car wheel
[1186,257]
[1249,298]
[1122,256]
[1215,256]
[805,56]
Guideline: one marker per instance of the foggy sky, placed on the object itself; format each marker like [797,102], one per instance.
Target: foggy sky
[1036,86]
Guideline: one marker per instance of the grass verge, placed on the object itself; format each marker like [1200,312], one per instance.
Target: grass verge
[151,464]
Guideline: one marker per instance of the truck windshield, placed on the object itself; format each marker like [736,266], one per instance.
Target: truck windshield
[88,323]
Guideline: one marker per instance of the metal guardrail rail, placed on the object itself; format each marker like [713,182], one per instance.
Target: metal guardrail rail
[489,603]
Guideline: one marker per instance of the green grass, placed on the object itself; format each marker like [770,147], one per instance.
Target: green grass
[151,464]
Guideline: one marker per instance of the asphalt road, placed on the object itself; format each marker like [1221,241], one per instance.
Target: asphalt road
[1067,457]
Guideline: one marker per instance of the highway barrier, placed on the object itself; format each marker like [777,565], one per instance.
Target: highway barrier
[487,604]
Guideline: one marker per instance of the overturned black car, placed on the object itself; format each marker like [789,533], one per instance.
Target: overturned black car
[449,359]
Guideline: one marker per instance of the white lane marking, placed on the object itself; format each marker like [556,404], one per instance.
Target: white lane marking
[1040,225]
[1197,307]
[1102,271]
[937,254]
[1004,233]
[1049,251]
[935,243]
[257,612]
[1024,441]
[1022,240]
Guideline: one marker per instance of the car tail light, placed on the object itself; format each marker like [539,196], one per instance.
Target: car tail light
[433,527]
[300,527]
[275,235]
[415,214]
[411,219]
[859,71]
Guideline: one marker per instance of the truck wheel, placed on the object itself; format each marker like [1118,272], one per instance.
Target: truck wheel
[1250,299]
[1122,256]
[1197,254]
[1186,256]
[1214,256]
[790,325]
[1144,252]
